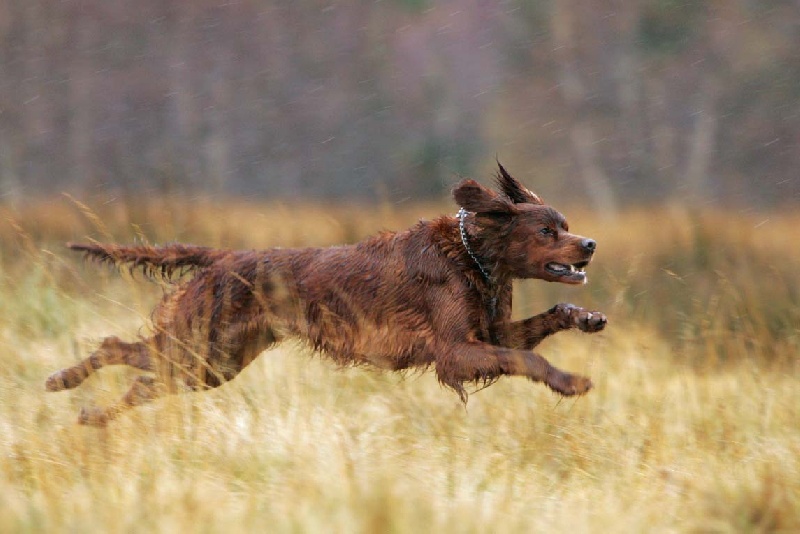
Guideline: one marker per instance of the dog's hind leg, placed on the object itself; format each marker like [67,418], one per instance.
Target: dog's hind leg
[224,364]
[170,372]
[144,390]
[112,351]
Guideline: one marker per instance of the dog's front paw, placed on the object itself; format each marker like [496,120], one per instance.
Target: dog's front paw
[583,319]
[568,384]
[591,321]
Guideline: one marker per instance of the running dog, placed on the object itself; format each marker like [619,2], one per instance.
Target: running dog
[436,295]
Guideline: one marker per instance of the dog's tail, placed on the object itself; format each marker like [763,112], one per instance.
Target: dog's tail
[155,262]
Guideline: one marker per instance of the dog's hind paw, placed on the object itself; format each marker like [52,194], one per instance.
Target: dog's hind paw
[65,379]
[93,417]
[56,382]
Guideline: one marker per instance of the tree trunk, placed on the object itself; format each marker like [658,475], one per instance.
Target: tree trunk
[702,143]
[81,105]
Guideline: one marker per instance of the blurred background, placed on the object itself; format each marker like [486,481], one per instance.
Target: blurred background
[667,130]
[600,101]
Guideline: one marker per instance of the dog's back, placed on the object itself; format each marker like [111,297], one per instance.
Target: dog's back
[373,302]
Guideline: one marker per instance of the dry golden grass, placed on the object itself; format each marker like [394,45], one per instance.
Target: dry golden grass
[692,426]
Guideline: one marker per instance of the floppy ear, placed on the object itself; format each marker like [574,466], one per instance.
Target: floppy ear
[472,196]
[518,193]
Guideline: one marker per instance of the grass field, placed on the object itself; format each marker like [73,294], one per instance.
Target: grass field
[693,425]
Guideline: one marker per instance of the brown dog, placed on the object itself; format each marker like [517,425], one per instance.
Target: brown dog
[438,294]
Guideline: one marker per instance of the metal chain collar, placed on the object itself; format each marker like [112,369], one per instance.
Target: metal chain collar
[462,214]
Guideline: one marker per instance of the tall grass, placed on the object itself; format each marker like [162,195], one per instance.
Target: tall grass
[692,426]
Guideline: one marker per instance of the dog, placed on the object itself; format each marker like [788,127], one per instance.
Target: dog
[436,295]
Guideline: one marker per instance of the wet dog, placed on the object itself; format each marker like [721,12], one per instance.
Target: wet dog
[436,295]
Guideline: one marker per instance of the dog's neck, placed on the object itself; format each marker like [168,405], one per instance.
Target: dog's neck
[492,302]
[462,215]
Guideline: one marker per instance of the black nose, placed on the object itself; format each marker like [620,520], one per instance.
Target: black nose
[589,244]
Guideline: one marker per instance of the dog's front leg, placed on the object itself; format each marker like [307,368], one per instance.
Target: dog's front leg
[530,332]
[478,361]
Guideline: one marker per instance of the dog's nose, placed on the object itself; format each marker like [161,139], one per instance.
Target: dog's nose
[589,244]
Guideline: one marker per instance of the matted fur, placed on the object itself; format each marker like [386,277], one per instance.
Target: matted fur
[398,300]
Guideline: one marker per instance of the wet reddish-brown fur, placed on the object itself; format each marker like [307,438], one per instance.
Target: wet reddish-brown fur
[415,298]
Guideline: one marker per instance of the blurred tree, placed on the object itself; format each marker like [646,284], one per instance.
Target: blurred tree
[637,100]
[579,108]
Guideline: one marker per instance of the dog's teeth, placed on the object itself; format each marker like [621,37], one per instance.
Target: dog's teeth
[572,268]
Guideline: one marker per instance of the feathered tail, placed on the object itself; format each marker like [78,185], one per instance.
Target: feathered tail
[156,262]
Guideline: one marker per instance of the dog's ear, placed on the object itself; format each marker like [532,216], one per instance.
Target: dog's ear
[472,196]
[518,193]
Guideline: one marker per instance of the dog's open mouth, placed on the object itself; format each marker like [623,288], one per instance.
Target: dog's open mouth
[573,274]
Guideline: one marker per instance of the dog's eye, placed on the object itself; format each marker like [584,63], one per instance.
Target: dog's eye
[547,231]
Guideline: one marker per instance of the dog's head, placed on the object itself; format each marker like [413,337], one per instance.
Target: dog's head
[522,236]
